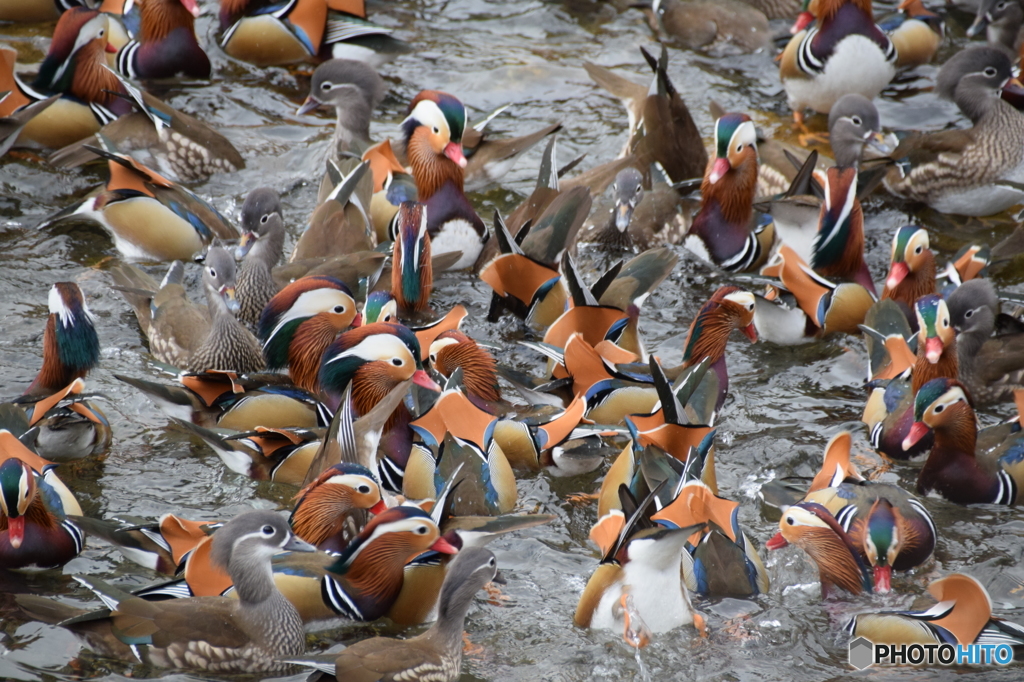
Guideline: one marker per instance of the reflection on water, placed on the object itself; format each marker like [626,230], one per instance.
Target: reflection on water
[786,402]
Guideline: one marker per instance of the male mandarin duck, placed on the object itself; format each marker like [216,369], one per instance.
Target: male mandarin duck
[13,121]
[916,33]
[954,470]
[702,24]
[279,33]
[211,634]
[637,588]
[68,425]
[373,359]
[958,171]
[912,270]
[300,322]
[165,44]
[890,528]
[811,527]
[433,142]
[843,52]
[74,67]
[839,245]
[281,455]
[35,531]
[148,216]
[412,277]
[183,335]
[323,509]
[434,655]
[726,231]
[991,367]
[963,615]
[260,249]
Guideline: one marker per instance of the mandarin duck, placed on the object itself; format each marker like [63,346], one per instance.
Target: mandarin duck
[958,171]
[12,122]
[890,528]
[726,231]
[412,277]
[915,31]
[183,335]
[843,52]
[812,528]
[912,269]
[954,470]
[1002,21]
[354,90]
[35,505]
[991,367]
[375,358]
[488,158]
[212,634]
[637,589]
[75,68]
[280,33]
[702,24]
[889,411]
[324,509]
[67,425]
[963,615]
[162,547]
[165,44]
[260,249]
[433,133]
[434,655]
[300,322]
[148,216]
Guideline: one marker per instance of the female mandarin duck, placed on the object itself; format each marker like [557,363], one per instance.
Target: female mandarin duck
[954,470]
[963,615]
[183,335]
[35,531]
[724,232]
[260,249]
[433,142]
[890,528]
[702,24]
[69,427]
[279,33]
[1002,21]
[300,322]
[435,655]
[812,528]
[74,67]
[353,89]
[843,52]
[148,216]
[375,358]
[211,634]
[165,45]
[992,367]
[958,171]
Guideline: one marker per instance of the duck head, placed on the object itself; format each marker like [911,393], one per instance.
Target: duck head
[433,138]
[380,306]
[935,332]
[374,358]
[975,77]
[71,346]
[353,88]
[812,528]
[453,350]
[628,190]
[17,493]
[854,127]
[728,308]
[944,406]
[259,211]
[323,505]
[911,253]
[219,280]
[76,62]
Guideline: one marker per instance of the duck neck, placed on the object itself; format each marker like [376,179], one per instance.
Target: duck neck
[352,125]
[67,355]
[838,560]
[453,604]
[431,171]
[733,194]
[947,365]
[161,17]
[92,81]
[373,577]
[708,335]
[307,346]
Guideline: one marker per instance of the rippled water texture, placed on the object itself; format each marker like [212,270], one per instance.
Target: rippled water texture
[785,402]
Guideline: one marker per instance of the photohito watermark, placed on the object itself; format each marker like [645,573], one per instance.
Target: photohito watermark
[864,653]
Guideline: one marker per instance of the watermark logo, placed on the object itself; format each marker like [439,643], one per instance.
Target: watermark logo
[865,653]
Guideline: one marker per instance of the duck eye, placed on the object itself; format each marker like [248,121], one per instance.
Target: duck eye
[397,362]
[490,562]
[919,249]
[856,120]
[939,408]
[969,313]
[264,218]
[436,130]
[990,72]
[326,85]
[421,530]
[267,530]
[364,489]
[790,521]
[945,322]
[639,187]
[387,318]
[339,309]
[739,148]
[213,273]
[433,358]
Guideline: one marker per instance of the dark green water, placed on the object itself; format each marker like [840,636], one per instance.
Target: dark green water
[785,404]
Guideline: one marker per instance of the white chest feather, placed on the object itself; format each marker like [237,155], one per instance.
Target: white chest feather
[857,65]
[458,235]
